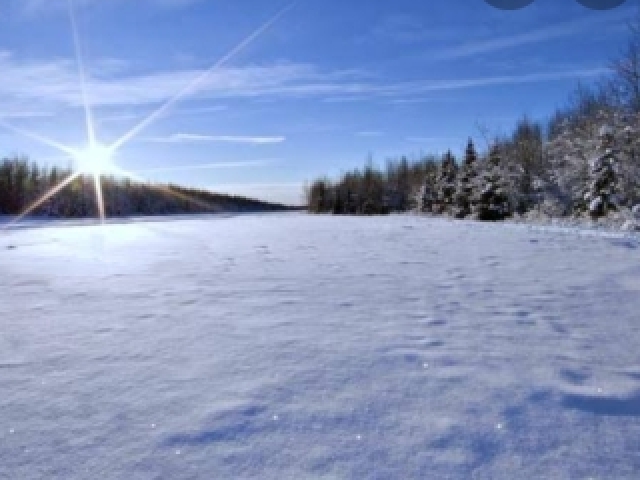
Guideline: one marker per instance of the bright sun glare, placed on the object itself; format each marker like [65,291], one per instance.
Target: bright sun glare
[94,159]
[97,159]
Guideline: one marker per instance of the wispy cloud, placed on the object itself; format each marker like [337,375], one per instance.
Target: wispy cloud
[11,114]
[369,134]
[32,7]
[198,138]
[458,84]
[343,98]
[201,110]
[209,166]
[173,3]
[120,116]
[407,28]
[430,140]
[540,35]
[54,84]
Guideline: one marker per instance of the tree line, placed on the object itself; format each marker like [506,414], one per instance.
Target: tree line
[23,184]
[583,160]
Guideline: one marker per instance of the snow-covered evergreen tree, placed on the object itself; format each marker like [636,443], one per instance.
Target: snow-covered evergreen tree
[491,202]
[466,182]
[428,197]
[446,184]
[601,194]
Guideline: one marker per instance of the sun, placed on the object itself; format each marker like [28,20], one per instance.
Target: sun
[95,160]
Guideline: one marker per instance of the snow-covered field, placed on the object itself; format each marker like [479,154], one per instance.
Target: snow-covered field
[291,346]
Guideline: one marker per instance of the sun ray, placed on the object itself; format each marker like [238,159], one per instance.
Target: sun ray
[97,181]
[39,138]
[93,146]
[186,198]
[188,89]
[91,133]
[91,136]
[167,190]
[53,191]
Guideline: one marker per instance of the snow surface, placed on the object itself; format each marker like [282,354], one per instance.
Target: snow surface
[292,346]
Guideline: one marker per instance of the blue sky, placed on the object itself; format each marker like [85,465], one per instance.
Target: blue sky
[326,85]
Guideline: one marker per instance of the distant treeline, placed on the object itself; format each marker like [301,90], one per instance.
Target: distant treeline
[372,191]
[590,166]
[584,160]
[24,183]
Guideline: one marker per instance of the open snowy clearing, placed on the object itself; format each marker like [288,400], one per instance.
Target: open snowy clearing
[293,346]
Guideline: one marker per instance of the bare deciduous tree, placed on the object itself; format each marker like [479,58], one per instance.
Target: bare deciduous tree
[627,68]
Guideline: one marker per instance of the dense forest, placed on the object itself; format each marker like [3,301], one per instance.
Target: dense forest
[583,162]
[23,184]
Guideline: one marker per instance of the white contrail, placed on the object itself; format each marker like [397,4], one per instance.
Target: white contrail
[199,79]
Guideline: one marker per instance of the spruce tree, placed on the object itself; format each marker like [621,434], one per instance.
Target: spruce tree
[466,182]
[601,192]
[492,201]
[446,184]
[428,196]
